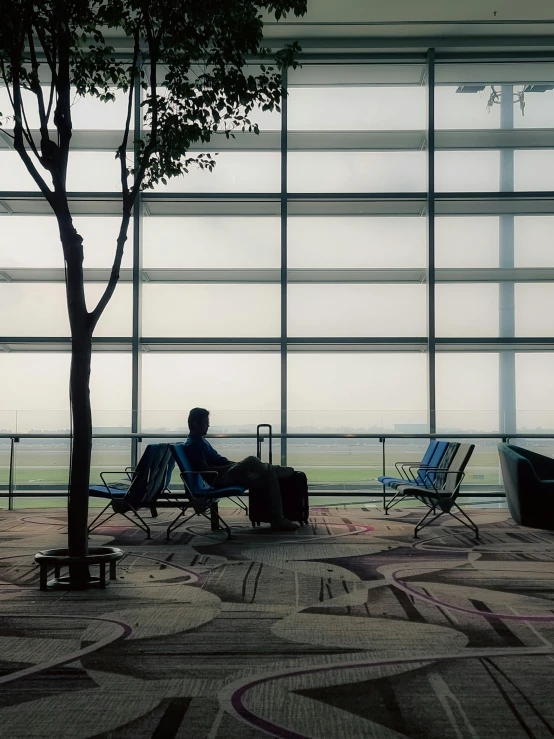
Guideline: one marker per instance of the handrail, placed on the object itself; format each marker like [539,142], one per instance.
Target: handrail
[380,435]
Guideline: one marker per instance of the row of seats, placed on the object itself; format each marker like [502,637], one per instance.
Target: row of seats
[435,481]
[147,486]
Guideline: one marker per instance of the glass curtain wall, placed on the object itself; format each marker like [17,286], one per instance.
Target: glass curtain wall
[319,279]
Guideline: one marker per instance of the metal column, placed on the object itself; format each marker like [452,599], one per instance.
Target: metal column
[137,294]
[507,379]
[284,270]
[430,272]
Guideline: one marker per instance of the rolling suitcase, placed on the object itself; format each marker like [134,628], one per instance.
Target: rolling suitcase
[294,492]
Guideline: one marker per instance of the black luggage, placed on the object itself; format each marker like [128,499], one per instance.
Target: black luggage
[294,494]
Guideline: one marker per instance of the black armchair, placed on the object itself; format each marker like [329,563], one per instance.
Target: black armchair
[529,483]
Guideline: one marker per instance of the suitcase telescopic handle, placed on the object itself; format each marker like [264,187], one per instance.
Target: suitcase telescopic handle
[260,439]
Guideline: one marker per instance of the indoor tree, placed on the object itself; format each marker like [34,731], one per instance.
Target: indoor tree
[189,60]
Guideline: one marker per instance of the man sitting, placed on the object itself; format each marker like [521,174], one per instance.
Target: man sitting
[260,478]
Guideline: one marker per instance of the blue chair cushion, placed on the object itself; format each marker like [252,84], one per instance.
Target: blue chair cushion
[394,482]
[115,493]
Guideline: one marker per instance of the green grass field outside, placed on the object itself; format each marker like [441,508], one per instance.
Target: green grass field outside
[322,466]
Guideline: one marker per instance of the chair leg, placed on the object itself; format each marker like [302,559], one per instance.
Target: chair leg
[423,523]
[100,523]
[240,503]
[469,523]
[214,515]
[144,526]
[394,501]
[92,526]
[173,526]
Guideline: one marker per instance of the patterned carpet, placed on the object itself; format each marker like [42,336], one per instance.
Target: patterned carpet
[347,628]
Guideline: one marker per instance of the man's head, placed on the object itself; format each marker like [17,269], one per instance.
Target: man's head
[199,421]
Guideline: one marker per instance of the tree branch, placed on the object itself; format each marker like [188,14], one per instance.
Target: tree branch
[51,61]
[19,144]
[35,84]
[153,48]
[62,115]
[114,275]
[123,148]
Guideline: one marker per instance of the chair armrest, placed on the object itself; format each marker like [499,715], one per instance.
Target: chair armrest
[420,468]
[111,472]
[130,472]
[402,472]
[445,472]
[543,466]
[196,472]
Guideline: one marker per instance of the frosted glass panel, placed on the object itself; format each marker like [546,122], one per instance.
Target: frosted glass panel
[356,242]
[239,390]
[535,392]
[466,241]
[455,110]
[211,310]
[534,239]
[534,309]
[14,174]
[34,392]
[467,392]
[356,108]
[88,113]
[474,171]
[356,310]
[37,242]
[461,104]
[533,170]
[99,171]
[233,172]
[356,392]
[87,171]
[218,242]
[467,309]
[356,171]
[40,309]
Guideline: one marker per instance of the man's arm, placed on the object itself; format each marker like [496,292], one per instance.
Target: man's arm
[203,457]
[214,460]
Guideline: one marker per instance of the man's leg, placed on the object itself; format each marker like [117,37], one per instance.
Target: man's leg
[258,475]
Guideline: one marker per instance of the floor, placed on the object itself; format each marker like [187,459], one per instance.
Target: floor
[347,628]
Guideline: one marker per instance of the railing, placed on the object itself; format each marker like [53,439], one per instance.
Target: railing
[379,459]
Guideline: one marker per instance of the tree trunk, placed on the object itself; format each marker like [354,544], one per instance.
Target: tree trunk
[79,387]
[77,511]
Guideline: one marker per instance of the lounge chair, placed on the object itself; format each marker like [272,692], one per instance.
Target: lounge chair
[529,483]
[442,491]
[140,490]
[438,455]
[198,496]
